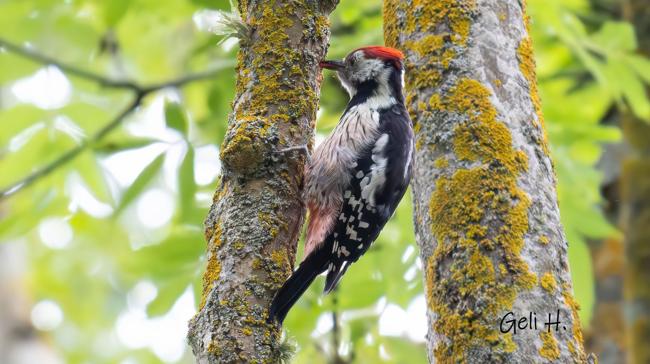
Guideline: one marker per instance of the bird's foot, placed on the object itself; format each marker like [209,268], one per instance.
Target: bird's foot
[297,148]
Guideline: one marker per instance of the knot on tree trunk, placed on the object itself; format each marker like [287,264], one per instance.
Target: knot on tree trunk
[248,143]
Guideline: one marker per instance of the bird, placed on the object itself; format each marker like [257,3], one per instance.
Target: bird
[357,176]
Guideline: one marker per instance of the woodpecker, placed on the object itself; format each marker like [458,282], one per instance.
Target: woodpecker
[358,175]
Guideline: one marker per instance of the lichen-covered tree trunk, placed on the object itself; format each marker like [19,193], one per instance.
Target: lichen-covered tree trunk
[257,213]
[486,213]
[635,205]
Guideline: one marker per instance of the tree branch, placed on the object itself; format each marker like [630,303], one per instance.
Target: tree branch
[72,153]
[336,332]
[68,69]
[106,81]
[139,90]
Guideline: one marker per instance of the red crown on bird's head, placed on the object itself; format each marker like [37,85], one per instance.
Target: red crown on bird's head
[385,53]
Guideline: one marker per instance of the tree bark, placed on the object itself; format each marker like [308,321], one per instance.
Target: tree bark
[635,206]
[486,213]
[255,220]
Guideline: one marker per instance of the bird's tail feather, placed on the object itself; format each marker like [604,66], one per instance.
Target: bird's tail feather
[297,284]
[334,276]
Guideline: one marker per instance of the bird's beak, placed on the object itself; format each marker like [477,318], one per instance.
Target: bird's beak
[332,65]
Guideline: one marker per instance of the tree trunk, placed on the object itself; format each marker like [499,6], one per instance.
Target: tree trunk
[255,220]
[606,334]
[486,214]
[635,206]
[19,341]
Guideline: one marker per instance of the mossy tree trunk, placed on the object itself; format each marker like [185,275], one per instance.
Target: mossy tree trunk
[255,220]
[486,212]
[635,207]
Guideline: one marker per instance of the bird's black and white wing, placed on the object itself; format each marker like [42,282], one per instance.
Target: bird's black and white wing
[379,178]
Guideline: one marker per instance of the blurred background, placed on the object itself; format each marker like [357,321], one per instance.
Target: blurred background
[105,183]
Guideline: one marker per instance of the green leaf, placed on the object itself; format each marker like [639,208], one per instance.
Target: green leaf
[27,210]
[585,151]
[641,66]
[16,119]
[213,4]
[187,185]
[179,254]
[168,292]
[404,351]
[92,174]
[175,117]
[122,144]
[635,93]
[114,11]
[579,256]
[616,36]
[15,67]
[140,183]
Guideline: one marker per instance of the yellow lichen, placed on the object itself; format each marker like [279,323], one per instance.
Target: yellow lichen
[213,269]
[548,282]
[577,330]
[445,26]
[459,209]
[269,223]
[549,349]
[527,67]
[425,78]
[429,15]
[257,263]
[572,348]
[427,45]
[508,344]
[279,257]
[441,163]
[272,86]
[213,347]
[544,240]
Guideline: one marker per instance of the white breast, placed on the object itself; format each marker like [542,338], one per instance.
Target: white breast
[328,173]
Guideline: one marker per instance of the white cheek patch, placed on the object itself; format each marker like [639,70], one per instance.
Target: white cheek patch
[351,90]
[368,69]
[383,96]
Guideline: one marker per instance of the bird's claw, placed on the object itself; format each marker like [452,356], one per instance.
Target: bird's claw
[299,148]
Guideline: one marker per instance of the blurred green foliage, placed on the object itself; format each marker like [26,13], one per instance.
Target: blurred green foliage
[585,69]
